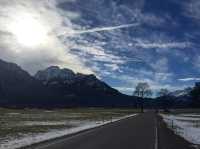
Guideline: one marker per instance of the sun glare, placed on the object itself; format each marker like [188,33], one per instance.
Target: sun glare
[29,31]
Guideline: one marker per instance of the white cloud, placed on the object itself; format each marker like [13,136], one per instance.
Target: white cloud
[156,80]
[189,79]
[112,66]
[131,82]
[196,62]
[106,49]
[162,45]
[159,77]
[125,90]
[50,52]
[161,65]
[62,37]
[192,9]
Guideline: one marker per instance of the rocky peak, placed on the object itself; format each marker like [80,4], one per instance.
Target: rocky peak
[180,93]
[54,72]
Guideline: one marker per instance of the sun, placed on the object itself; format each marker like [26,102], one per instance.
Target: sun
[29,31]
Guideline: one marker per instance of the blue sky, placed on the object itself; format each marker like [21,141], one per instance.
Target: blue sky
[161,46]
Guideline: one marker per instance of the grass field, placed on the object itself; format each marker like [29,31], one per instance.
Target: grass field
[19,127]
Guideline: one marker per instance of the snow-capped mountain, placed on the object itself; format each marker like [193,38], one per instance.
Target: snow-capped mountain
[55,87]
[53,73]
[182,98]
[181,93]
[70,82]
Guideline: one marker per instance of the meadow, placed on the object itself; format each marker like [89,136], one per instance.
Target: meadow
[21,127]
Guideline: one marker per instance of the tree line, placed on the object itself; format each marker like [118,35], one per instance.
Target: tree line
[164,98]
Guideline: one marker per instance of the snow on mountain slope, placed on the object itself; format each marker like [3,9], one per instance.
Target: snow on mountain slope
[54,72]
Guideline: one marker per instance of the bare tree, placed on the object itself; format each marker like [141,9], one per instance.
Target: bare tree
[142,90]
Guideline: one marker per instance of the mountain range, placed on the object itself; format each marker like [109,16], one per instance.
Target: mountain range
[61,87]
[56,87]
[181,93]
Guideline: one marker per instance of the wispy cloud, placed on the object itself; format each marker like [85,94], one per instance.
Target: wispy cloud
[162,45]
[125,90]
[191,9]
[161,65]
[51,52]
[189,79]
[114,39]
[129,83]
[100,29]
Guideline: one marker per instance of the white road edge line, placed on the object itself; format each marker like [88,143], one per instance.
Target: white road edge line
[156,135]
[85,131]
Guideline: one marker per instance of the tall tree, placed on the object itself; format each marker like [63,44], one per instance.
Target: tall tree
[142,90]
[195,94]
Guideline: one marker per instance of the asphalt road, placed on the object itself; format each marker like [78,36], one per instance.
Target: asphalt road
[140,132]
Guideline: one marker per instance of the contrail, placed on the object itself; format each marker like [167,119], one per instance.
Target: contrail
[100,29]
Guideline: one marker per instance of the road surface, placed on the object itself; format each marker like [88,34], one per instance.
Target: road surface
[140,132]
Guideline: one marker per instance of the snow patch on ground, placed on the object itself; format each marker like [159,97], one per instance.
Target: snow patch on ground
[187,127]
[51,123]
[29,139]
[190,115]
